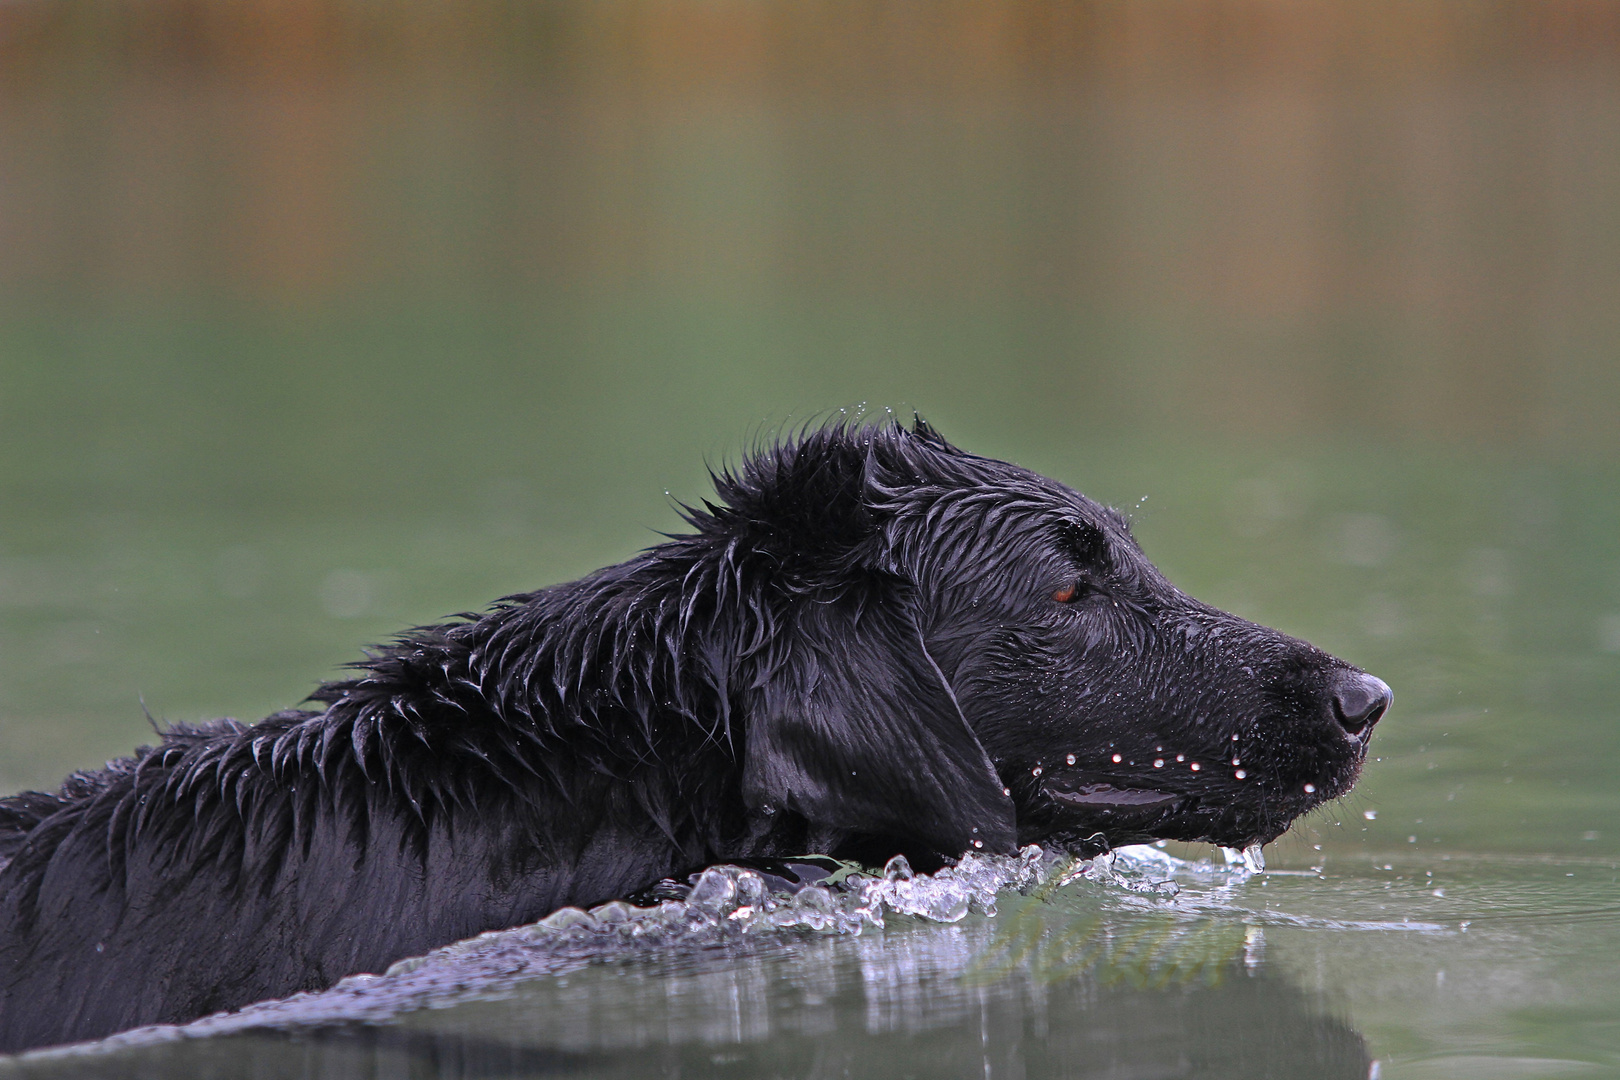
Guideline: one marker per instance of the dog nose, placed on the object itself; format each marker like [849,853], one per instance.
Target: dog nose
[1359,701]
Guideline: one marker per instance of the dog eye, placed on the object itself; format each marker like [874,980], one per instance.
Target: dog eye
[1070,592]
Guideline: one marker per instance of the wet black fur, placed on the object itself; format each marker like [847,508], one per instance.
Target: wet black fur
[856,649]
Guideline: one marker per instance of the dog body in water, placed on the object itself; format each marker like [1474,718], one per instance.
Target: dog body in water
[873,643]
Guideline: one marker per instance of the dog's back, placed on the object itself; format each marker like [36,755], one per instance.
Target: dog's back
[20,815]
[189,880]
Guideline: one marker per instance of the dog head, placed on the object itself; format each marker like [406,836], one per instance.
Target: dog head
[973,655]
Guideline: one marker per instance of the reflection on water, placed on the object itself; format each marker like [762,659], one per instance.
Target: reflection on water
[890,1011]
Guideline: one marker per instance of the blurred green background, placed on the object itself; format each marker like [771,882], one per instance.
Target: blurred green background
[320,318]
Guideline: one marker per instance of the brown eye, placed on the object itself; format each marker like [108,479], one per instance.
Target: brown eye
[1066,594]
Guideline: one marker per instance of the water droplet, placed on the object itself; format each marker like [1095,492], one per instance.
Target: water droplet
[1196,766]
[978,843]
[1069,759]
[1234,738]
[1181,757]
[1158,763]
[1251,860]
[1036,771]
[1118,759]
[1235,761]
[1007,792]
[1310,789]
[1370,815]
[1240,774]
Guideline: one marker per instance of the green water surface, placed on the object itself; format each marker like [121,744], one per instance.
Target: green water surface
[321,320]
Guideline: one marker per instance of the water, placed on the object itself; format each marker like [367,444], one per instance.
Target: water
[299,346]
[1468,967]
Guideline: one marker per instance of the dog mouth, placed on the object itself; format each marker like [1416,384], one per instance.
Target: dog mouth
[1086,813]
[1250,792]
[1107,799]
[1119,812]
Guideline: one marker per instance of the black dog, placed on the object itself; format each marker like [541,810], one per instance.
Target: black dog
[877,643]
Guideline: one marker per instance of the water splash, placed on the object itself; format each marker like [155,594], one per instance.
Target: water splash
[1137,869]
[726,901]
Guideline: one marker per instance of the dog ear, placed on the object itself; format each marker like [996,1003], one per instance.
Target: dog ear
[856,728]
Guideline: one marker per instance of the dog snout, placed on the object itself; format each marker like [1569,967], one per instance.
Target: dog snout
[1359,701]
